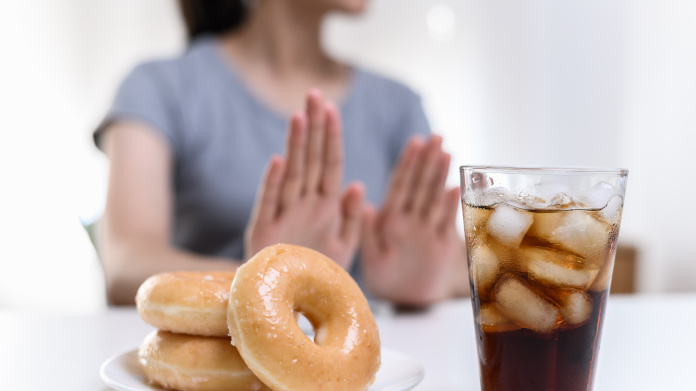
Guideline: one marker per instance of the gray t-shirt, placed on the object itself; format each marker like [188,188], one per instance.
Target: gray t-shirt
[222,137]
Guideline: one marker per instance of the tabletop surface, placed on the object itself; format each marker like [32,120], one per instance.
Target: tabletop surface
[648,343]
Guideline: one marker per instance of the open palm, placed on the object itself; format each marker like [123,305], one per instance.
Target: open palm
[411,247]
[300,201]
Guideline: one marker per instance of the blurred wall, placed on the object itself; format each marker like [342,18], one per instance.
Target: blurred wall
[592,83]
[598,83]
[61,63]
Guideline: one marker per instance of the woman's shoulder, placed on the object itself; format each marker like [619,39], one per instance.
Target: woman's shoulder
[192,63]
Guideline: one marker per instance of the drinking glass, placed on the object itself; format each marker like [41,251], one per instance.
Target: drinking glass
[541,244]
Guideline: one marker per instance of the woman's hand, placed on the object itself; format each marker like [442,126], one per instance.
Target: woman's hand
[411,250]
[300,200]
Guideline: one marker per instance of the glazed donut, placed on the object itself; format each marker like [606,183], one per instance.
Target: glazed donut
[192,303]
[192,363]
[266,293]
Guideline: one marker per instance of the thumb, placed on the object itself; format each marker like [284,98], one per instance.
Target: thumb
[450,209]
[370,236]
[351,206]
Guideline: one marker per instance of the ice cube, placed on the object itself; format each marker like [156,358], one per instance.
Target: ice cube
[484,268]
[528,254]
[612,212]
[603,280]
[598,195]
[524,307]
[551,274]
[544,224]
[580,234]
[561,201]
[509,225]
[491,320]
[548,190]
[481,181]
[496,195]
[576,308]
[556,268]
[525,200]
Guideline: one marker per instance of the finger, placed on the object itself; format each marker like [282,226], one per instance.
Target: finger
[448,218]
[267,204]
[370,238]
[315,144]
[428,169]
[332,175]
[433,205]
[294,173]
[403,175]
[352,205]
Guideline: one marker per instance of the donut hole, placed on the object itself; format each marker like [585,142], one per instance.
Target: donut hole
[305,325]
[329,312]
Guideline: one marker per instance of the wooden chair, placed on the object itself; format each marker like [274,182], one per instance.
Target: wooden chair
[625,266]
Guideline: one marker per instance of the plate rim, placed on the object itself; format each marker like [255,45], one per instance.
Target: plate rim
[407,383]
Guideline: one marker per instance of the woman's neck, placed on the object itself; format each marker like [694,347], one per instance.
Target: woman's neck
[284,38]
[279,54]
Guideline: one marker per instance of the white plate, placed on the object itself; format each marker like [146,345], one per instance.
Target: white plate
[397,373]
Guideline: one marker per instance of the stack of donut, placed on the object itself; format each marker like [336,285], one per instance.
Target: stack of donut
[238,331]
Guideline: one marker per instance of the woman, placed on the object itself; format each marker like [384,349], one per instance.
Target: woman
[188,139]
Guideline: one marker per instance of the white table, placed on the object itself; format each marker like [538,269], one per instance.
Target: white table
[648,343]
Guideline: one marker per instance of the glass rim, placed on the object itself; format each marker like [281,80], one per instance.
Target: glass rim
[545,170]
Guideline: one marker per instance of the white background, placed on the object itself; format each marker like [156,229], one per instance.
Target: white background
[593,83]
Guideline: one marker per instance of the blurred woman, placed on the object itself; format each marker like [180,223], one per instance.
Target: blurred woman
[191,139]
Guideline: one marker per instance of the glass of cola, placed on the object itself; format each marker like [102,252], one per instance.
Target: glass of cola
[541,244]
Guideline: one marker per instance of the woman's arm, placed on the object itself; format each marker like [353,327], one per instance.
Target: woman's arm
[135,230]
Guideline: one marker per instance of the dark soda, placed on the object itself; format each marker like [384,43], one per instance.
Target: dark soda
[539,283]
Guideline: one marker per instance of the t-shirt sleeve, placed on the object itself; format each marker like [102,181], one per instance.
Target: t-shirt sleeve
[145,95]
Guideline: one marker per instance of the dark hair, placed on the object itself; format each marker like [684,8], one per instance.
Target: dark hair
[212,16]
